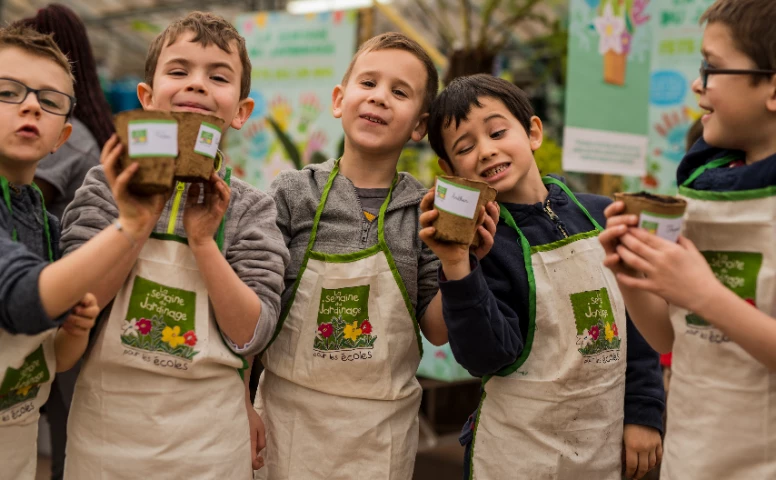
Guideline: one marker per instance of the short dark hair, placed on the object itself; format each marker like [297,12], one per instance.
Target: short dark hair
[456,101]
[35,43]
[751,24]
[208,28]
[399,41]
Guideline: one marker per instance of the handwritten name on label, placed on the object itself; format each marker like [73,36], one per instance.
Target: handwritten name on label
[667,228]
[456,199]
[153,138]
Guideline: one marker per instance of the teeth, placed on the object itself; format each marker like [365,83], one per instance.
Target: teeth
[494,171]
[375,120]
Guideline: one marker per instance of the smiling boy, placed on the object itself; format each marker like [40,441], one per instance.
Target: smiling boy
[158,393]
[569,387]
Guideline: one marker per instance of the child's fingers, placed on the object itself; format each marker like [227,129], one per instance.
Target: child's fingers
[88,300]
[427,235]
[84,323]
[633,260]
[486,239]
[614,208]
[652,459]
[643,467]
[612,260]
[637,283]
[639,244]
[631,462]
[490,224]
[494,211]
[610,237]
[427,218]
[629,220]
[122,180]
[428,200]
[659,449]
[90,311]
[109,157]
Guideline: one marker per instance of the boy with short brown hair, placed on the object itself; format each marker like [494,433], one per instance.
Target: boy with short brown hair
[711,297]
[338,394]
[200,289]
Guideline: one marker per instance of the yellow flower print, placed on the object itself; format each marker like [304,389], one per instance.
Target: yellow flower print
[173,336]
[352,332]
[24,390]
[608,332]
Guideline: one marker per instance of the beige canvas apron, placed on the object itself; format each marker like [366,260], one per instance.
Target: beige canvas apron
[27,366]
[722,407]
[160,395]
[557,412]
[339,396]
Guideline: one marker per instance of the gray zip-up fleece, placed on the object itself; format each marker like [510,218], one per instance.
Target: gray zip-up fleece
[344,229]
[253,245]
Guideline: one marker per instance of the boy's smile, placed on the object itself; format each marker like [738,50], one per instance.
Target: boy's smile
[192,78]
[491,145]
[27,132]
[380,105]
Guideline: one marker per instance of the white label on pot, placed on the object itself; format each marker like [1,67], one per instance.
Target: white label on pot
[456,199]
[153,138]
[664,226]
[208,138]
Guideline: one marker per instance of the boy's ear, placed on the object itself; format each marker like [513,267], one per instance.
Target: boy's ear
[244,111]
[67,129]
[421,128]
[336,101]
[536,135]
[770,104]
[445,166]
[145,94]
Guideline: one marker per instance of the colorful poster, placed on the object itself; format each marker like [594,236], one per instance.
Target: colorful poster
[608,87]
[673,107]
[297,60]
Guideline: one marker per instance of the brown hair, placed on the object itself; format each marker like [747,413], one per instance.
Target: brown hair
[208,29]
[35,43]
[751,23]
[399,41]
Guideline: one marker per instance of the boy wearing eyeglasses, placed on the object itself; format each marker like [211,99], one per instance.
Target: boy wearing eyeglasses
[712,296]
[46,312]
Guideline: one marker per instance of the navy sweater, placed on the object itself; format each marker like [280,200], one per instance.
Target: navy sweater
[724,179]
[22,261]
[487,311]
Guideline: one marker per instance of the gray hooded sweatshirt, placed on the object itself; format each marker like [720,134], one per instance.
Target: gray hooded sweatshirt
[253,245]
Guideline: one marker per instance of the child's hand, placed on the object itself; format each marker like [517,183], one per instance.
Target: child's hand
[677,272]
[454,256]
[487,229]
[138,215]
[258,439]
[616,226]
[642,449]
[82,317]
[201,220]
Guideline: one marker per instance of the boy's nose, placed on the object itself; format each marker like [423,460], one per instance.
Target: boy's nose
[30,105]
[487,150]
[377,97]
[697,86]
[196,85]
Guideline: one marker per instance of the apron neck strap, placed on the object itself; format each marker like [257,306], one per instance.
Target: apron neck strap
[325,196]
[222,226]
[6,188]
[553,181]
[712,164]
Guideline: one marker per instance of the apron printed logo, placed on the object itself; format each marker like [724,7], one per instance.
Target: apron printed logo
[161,319]
[343,321]
[597,331]
[738,271]
[23,383]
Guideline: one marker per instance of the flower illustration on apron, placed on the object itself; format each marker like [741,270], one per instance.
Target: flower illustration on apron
[343,320]
[598,337]
[160,319]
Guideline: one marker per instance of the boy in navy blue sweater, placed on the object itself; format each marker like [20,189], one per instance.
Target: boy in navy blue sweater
[538,318]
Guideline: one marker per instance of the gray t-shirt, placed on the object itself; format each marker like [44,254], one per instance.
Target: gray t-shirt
[371,200]
[66,168]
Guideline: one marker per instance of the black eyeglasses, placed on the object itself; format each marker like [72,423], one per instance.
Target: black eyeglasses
[51,101]
[706,70]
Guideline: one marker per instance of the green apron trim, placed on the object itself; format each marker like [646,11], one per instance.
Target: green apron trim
[5,187]
[738,195]
[527,250]
[346,258]
[562,243]
[219,238]
[474,435]
[712,164]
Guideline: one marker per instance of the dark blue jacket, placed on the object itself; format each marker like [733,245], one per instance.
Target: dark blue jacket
[487,312]
[748,177]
